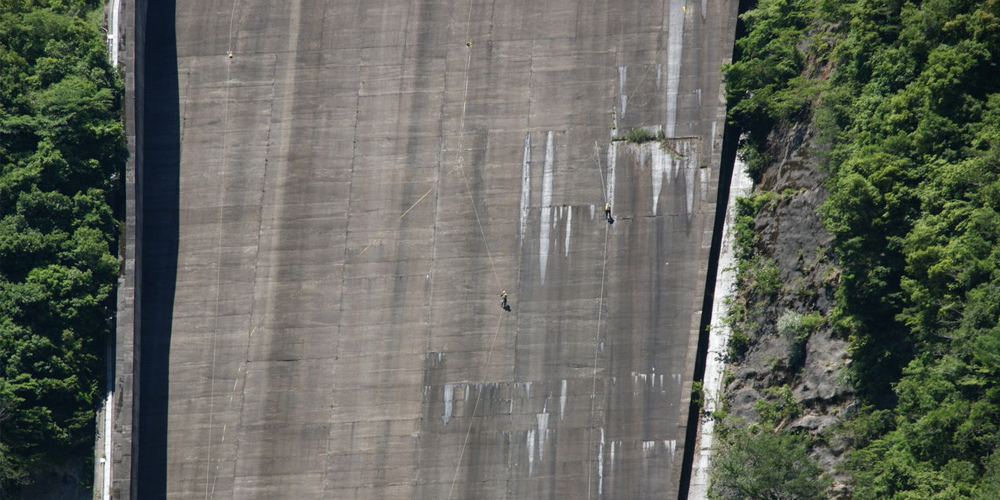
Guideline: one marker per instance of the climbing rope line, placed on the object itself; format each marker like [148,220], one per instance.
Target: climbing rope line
[461,142]
[243,370]
[656,56]
[376,241]
[597,345]
[218,293]
[210,492]
[600,171]
[232,18]
[646,73]
[481,232]
[415,204]
[472,418]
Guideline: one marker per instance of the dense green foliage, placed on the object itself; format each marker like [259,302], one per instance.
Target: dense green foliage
[61,146]
[761,465]
[797,328]
[766,86]
[905,93]
[764,461]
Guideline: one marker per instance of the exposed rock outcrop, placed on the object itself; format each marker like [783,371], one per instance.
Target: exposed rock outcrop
[790,234]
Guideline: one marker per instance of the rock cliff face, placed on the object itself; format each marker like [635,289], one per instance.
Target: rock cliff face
[788,233]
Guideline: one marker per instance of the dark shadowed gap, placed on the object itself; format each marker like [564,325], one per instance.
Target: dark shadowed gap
[728,160]
[694,412]
[161,169]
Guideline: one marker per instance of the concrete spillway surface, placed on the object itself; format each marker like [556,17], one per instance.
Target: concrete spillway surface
[332,213]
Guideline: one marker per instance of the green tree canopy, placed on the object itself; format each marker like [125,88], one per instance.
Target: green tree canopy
[905,94]
[757,464]
[61,148]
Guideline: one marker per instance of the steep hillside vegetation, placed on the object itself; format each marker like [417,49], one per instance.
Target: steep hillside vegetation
[61,147]
[881,118]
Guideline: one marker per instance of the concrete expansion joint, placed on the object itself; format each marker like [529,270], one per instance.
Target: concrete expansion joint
[656,216]
[566,205]
[459,150]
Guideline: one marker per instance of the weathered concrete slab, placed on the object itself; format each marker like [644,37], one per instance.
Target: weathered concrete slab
[332,213]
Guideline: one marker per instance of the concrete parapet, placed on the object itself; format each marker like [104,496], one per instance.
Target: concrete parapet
[132,24]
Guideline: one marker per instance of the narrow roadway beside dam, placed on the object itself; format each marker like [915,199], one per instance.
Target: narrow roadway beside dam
[331,213]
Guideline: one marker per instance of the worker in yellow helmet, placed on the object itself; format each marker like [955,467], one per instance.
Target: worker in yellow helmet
[607,213]
[503,300]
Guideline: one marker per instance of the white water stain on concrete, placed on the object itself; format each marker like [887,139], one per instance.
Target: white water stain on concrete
[531,451]
[622,96]
[675,46]
[651,379]
[562,400]
[542,422]
[600,466]
[569,228]
[449,392]
[637,377]
[712,143]
[525,185]
[667,163]
[661,162]
[671,446]
[546,207]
